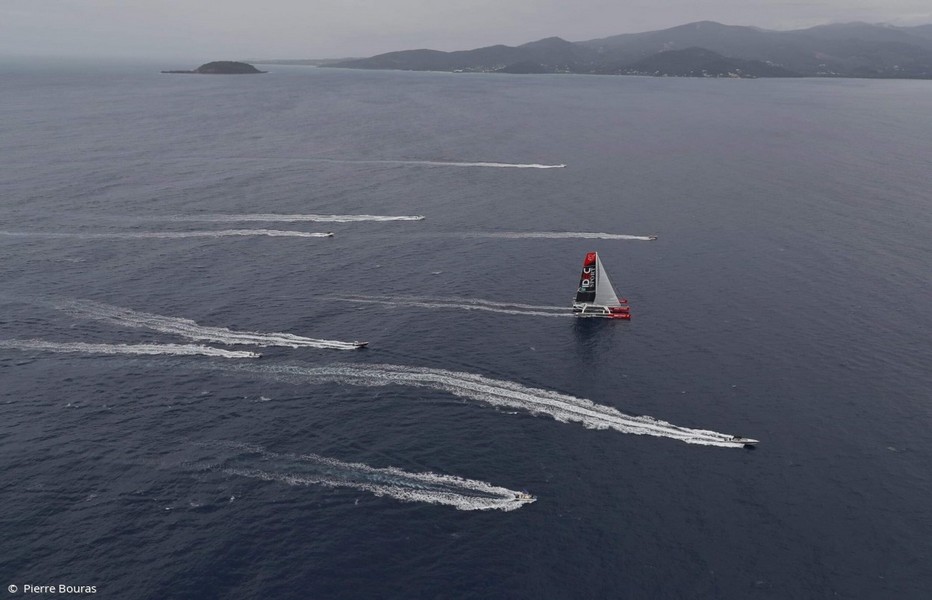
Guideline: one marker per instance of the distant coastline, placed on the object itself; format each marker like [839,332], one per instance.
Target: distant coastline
[702,49]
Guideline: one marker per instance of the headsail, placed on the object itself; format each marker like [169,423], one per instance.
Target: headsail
[604,292]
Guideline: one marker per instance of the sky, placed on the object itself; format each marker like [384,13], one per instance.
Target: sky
[259,29]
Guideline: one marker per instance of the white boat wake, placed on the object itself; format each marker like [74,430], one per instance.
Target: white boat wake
[369,161]
[507,308]
[429,163]
[131,235]
[493,165]
[557,235]
[138,349]
[562,407]
[432,488]
[191,330]
[284,218]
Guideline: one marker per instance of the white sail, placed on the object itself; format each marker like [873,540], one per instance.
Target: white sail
[604,292]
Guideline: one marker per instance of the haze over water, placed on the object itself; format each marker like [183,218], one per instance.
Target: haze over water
[786,299]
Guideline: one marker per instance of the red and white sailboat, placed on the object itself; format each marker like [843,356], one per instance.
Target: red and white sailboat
[595,296]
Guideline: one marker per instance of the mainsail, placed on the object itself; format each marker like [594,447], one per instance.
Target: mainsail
[587,281]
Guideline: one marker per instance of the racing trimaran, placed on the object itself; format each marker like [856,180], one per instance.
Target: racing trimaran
[595,296]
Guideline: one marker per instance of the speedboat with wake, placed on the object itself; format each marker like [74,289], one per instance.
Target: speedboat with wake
[595,296]
[748,442]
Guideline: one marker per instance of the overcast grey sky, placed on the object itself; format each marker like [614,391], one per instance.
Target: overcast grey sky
[216,29]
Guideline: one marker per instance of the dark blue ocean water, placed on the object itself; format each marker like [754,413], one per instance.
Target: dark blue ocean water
[787,299]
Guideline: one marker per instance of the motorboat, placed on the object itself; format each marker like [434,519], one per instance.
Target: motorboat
[743,440]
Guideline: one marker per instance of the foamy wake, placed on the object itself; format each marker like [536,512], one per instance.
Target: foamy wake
[439,163]
[562,407]
[432,488]
[365,161]
[191,330]
[556,235]
[507,308]
[493,165]
[147,349]
[282,218]
[131,235]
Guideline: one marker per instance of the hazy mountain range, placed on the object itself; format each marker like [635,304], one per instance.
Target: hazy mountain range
[703,49]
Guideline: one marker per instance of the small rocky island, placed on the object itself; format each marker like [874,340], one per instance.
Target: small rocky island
[222,67]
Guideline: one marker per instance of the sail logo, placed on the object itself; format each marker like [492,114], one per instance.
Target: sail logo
[587,281]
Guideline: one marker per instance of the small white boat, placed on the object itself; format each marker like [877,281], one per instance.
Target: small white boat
[361,344]
[743,440]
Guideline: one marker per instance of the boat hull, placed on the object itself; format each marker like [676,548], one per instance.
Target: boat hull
[601,312]
[748,442]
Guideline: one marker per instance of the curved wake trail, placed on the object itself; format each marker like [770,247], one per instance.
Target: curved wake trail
[458,303]
[167,234]
[190,329]
[562,407]
[144,349]
[297,218]
[432,488]
[557,235]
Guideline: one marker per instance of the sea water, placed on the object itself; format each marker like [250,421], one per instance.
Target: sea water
[144,216]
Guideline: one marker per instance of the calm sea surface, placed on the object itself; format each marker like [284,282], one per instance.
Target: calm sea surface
[787,299]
